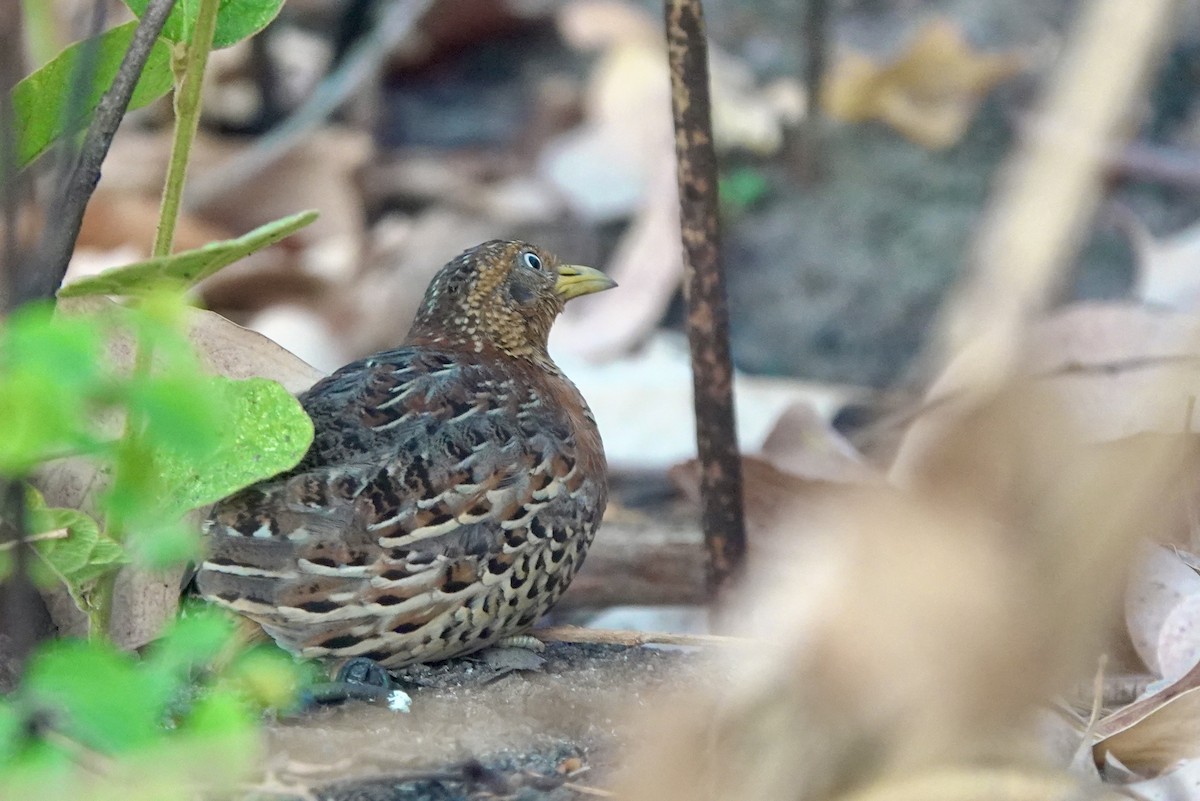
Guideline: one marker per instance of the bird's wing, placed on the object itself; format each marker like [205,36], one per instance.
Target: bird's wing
[463,473]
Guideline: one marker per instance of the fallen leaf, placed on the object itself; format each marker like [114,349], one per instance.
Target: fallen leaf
[1160,583]
[1179,784]
[804,444]
[1155,732]
[929,92]
[145,600]
[1120,369]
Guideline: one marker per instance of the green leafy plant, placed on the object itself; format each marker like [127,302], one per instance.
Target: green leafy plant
[121,386]
[144,727]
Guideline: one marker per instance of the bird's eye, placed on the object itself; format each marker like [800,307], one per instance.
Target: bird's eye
[532,261]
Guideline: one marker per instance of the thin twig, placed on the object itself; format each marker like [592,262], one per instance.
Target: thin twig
[10,73]
[58,240]
[362,62]
[632,639]
[57,534]
[704,290]
[805,142]
[19,599]
[584,789]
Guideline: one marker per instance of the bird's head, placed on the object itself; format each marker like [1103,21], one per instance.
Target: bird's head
[502,295]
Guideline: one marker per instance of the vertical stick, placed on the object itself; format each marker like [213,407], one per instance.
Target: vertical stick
[10,73]
[805,143]
[58,240]
[704,290]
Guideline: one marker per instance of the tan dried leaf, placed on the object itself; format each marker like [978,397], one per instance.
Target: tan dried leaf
[929,92]
[1152,734]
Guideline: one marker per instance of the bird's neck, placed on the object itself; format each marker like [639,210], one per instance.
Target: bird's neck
[475,346]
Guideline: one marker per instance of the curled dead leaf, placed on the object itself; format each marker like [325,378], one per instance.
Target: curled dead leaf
[929,92]
[1155,732]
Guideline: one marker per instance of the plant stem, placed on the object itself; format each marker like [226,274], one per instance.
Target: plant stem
[187,120]
[42,27]
[99,606]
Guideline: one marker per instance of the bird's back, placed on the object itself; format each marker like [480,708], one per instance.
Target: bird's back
[445,503]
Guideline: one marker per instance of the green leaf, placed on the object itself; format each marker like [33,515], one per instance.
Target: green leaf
[158,545]
[102,699]
[742,188]
[267,677]
[194,640]
[220,714]
[43,98]
[49,369]
[79,558]
[180,412]
[266,433]
[181,270]
[236,20]
[13,732]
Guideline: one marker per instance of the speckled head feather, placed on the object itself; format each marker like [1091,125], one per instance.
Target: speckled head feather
[503,295]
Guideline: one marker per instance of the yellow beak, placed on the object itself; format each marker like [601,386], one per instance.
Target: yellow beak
[575,280]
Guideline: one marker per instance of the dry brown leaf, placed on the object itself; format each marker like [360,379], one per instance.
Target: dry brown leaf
[802,457]
[1154,733]
[1160,584]
[769,495]
[228,349]
[1120,370]
[929,92]
[1178,784]
[804,444]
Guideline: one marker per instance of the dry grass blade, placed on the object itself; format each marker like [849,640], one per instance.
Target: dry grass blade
[1052,187]
[630,638]
[1157,731]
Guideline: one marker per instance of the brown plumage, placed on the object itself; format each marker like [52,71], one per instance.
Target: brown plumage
[451,490]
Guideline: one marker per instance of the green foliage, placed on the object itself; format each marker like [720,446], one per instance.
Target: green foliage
[742,188]
[70,548]
[49,375]
[189,689]
[181,270]
[260,434]
[173,438]
[237,19]
[122,387]
[42,100]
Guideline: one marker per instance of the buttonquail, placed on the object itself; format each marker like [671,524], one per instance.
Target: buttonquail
[451,490]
